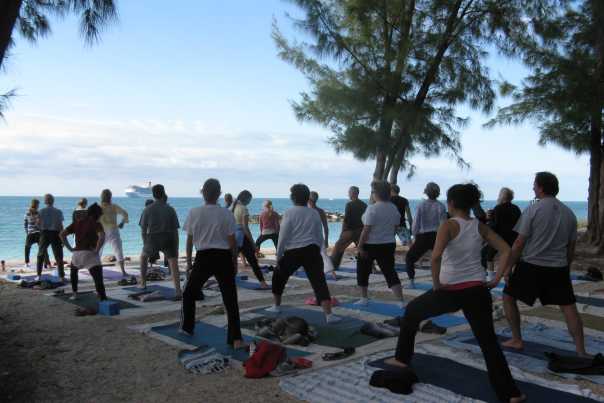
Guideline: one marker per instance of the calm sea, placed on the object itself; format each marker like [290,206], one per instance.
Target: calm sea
[12,211]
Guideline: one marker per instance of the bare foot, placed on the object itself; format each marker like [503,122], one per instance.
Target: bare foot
[518,399]
[395,363]
[334,275]
[516,344]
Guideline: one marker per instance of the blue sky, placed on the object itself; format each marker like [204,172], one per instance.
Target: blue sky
[178,94]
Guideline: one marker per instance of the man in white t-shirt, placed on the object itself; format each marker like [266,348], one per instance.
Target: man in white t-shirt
[377,242]
[211,229]
[300,242]
[543,251]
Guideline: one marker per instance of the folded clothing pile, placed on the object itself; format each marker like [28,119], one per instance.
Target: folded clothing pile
[396,381]
[203,360]
[288,330]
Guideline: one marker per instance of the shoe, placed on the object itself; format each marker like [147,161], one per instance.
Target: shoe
[331,319]
[27,266]
[274,309]
[362,302]
[74,297]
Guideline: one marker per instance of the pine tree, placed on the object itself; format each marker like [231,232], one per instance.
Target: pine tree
[564,94]
[386,76]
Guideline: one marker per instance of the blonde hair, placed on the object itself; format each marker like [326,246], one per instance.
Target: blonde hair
[505,195]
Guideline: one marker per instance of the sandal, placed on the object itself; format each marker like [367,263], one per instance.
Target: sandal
[347,352]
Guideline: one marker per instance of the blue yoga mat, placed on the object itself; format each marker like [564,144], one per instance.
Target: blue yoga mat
[599,302]
[474,383]
[392,310]
[167,292]
[302,274]
[531,348]
[250,285]
[399,267]
[214,336]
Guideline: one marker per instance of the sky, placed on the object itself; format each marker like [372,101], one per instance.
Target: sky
[177,94]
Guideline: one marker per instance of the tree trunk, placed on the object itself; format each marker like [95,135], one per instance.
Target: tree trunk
[396,165]
[9,11]
[595,200]
[380,165]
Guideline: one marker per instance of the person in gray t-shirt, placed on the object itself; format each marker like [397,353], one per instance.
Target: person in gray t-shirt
[159,229]
[543,253]
[50,222]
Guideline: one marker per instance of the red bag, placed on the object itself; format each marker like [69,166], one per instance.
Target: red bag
[265,359]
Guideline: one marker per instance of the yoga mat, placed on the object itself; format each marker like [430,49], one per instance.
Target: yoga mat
[393,310]
[598,302]
[166,292]
[302,274]
[531,348]
[590,321]
[249,285]
[90,300]
[214,336]
[472,382]
[345,333]
[43,277]
[112,275]
[399,267]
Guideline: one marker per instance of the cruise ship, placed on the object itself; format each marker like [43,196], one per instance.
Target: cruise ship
[139,191]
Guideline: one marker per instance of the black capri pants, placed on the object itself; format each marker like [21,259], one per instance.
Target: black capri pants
[308,257]
[384,255]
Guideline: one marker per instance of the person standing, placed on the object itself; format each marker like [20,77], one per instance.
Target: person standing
[32,232]
[377,242]
[300,243]
[50,221]
[351,227]
[211,229]
[428,217]
[80,210]
[228,200]
[89,238]
[159,228]
[112,228]
[460,284]
[327,264]
[402,205]
[543,253]
[245,242]
[502,219]
[269,225]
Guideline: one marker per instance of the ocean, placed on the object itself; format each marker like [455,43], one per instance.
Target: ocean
[13,208]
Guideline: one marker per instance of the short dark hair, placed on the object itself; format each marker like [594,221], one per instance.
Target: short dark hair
[158,191]
[548,182]
[211,190]
[355,189]
[381,189]
[300,193]
[228,197]
[395,188]
[95,211]
[314,196]
[464,196]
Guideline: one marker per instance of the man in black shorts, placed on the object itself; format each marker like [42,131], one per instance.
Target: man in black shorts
[544,250]
[351,227]
[159,226]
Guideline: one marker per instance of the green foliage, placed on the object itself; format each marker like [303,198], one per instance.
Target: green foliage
[5,101]
[386,76]
[559,93]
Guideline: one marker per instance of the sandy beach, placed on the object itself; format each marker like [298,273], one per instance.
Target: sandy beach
[49,354]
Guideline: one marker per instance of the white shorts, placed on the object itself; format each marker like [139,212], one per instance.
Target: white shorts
[112,237]
[85,259]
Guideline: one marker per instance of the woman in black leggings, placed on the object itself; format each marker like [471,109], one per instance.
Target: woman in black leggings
[245,242]
[89,237]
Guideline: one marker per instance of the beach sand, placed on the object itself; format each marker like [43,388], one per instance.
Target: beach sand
[48,354]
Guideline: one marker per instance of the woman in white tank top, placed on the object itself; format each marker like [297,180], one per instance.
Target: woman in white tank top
[460,284]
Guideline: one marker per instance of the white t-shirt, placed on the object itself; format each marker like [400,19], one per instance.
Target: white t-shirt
[549,227]
[210,226]
[383,217]
[301,226]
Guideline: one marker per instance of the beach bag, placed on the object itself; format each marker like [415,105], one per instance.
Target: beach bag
[264,360]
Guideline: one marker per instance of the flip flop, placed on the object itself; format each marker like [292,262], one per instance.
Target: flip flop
[347,352]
